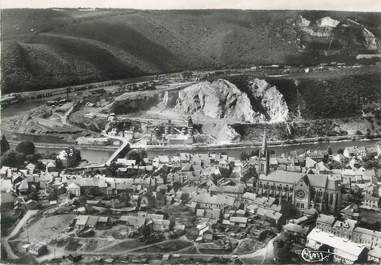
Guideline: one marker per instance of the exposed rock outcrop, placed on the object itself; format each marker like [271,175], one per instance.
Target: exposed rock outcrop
[219,99]
[223,100]
[270,99]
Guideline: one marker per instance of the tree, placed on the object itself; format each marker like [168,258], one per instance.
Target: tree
[329,150]
[52,195]
[59,164]
[248,173]
[111,169]
[288,209]
[26,147]
[184,197]
[4,144]
[12,159]
[282,247]
[40,166]
[137,155]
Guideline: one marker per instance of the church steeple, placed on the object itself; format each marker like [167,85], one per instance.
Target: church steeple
[264,143]
[264,152]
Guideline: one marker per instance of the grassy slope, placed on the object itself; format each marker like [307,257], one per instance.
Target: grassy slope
[48,48]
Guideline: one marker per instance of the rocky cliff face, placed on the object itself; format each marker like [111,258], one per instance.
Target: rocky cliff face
[218,99]
[271,100]
[223,100]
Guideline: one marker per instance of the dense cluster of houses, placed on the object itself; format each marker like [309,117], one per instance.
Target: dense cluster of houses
[221,190]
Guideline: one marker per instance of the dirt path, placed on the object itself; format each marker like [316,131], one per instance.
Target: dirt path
[262,256]
[15,231]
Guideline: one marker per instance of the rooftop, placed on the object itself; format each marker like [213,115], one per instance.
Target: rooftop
[343,247]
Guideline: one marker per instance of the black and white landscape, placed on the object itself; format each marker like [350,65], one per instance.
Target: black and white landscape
[190,136]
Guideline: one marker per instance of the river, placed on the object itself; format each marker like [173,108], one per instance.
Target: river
[101,156]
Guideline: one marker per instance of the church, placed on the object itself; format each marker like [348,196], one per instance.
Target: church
[303,190]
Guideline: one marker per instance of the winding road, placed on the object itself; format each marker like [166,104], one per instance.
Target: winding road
[15,231]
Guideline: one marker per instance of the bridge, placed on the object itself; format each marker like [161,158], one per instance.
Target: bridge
[119,150]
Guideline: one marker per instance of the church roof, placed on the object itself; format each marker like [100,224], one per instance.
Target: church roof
[318,180]
[289,177]
[281,176]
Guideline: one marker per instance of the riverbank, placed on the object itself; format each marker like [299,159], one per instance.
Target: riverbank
[287,143]
[101,154]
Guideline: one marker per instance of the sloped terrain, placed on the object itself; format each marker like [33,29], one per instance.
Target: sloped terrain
[223,100]
[206,101]
[51,48]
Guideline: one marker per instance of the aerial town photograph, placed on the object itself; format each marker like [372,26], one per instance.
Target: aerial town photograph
[190,132]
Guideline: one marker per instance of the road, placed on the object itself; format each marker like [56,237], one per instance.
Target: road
[66,116]
[262,256]
[15,231]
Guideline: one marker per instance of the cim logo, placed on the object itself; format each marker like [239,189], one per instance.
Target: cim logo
[309,255]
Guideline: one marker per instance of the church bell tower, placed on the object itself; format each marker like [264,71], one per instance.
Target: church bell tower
[264,165]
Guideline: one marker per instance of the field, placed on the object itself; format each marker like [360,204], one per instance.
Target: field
[46,228]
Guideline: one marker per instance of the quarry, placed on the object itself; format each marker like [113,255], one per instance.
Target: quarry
[208,108]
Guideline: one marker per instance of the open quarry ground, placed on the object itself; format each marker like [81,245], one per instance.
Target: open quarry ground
[228,109]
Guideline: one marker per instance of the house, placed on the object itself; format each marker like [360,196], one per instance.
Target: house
[92,221]
[238,221]
[81,221]
[23,187]
[325,222]
[355,151]
[30,167]
[270,215]
[134,222]
[321,168]
[185,157]
[248,197]
[295,230]
[212,213]
[38,249]
[375,255]
[372,202]
[344,229]
[74,189]
[235,191]
[50,164]
[344,251]
[103,221]
[220,201]
[317,155]
[200,212]
[125,162]
[367,237]
[160,225]
[5,185]
[5,172]
[207,236]
[163,159]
